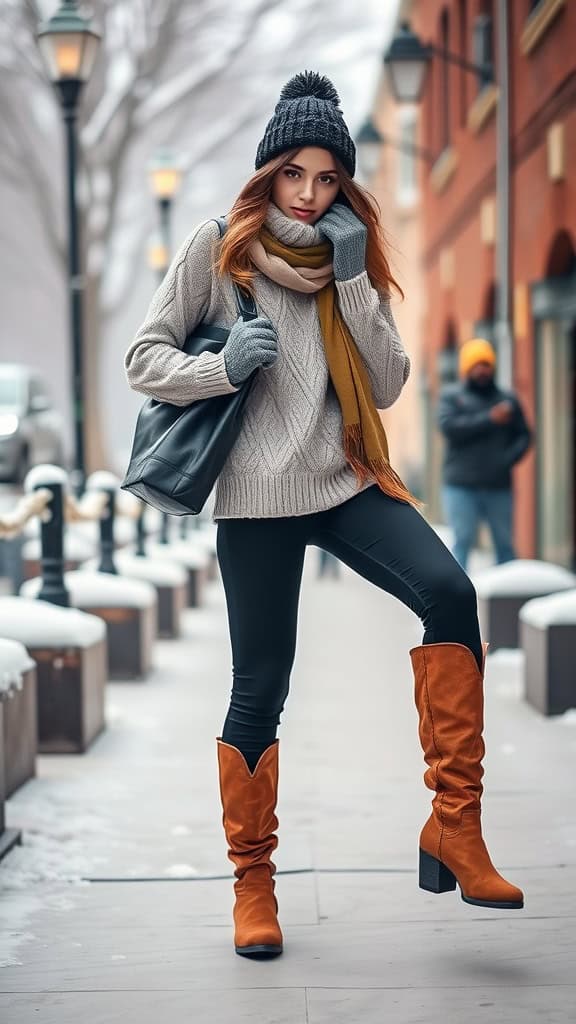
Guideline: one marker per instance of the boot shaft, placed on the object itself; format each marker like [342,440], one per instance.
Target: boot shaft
[449,697]
[249,806]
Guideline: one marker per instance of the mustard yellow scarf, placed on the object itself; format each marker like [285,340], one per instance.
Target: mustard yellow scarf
[308,269]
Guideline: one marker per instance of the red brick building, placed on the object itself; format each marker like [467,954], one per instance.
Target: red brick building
[463,229]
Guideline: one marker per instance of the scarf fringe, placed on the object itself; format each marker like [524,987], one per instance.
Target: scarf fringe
[377,469]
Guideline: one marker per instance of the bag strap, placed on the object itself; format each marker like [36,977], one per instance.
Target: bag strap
[244,300]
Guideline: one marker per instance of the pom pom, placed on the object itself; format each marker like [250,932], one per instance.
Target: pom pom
[310,83]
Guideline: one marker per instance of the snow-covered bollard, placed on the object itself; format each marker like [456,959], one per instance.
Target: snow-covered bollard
[54,479]
[129,609]
[548,639]
[70,651]
[165,528]
[503,589]
[108,484]
[141,532]
[76,550]
[20,731]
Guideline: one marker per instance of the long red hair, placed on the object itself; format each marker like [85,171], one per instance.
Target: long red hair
[249,213]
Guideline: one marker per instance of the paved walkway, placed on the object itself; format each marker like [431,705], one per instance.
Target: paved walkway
[150,935]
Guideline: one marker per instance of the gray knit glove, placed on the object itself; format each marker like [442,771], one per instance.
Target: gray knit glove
[348,235]
[251,343]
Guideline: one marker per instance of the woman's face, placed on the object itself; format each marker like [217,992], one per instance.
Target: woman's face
[304,188]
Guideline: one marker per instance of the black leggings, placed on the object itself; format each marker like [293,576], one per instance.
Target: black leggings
[386,541]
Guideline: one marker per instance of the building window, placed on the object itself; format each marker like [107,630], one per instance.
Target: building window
[463,37]
[407,181]
[483,45]
[445,109]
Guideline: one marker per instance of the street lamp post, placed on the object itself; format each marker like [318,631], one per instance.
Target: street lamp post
[165,177]
[406,62]
[369,141]
[69,47]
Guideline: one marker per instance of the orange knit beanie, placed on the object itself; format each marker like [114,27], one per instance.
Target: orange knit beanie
[478,350]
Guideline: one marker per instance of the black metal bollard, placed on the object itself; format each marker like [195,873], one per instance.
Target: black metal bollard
[53,587]
[184,523]
[141,532]
[164,538]
[107,563]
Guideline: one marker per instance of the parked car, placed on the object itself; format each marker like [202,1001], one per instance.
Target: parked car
[31,430]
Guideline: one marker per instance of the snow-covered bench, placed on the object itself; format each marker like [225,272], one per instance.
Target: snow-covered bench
[129,609]
[20,729]
[503,589]
[193,557]
[70,651]
[169,579]
[548,640]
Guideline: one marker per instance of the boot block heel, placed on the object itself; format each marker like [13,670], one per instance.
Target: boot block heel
[434,875]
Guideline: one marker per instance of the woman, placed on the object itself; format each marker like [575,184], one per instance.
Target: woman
[311,466]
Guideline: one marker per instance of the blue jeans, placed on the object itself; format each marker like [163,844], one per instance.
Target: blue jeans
[466,507]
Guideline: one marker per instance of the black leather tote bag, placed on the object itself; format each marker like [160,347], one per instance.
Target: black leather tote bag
[178,452]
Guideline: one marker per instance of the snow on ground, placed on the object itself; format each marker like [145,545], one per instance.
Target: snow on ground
[55,857]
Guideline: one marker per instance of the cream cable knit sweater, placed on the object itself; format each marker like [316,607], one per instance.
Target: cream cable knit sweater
[289,459]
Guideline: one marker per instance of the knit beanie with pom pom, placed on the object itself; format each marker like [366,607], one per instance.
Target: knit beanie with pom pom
[308,114]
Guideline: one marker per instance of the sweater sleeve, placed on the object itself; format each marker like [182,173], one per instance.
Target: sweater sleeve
[154,362]
[370,320]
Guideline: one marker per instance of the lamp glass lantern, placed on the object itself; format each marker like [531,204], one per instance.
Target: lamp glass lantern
[369,142]
[406,62]
[165,175]
[68,45]
[157,254]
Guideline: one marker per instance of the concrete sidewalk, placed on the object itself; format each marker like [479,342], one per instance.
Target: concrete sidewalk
[139,815]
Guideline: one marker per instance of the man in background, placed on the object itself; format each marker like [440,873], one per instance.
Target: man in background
[486,434]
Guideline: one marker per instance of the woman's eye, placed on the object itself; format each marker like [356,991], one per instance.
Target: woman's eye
[329,181]
[290,173]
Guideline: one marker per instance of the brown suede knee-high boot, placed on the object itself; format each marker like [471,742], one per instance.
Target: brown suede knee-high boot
[450,700]
[249,818]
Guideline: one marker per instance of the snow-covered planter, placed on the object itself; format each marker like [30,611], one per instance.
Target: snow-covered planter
[195,559]
[70,651]
[169,579]
[8,837]
[503,589]
[548,640]
[127,606]
[18,691]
